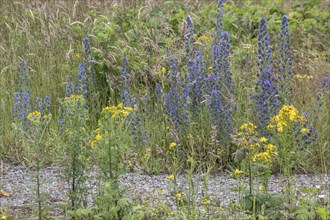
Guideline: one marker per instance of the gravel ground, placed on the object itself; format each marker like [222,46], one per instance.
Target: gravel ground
[18,182]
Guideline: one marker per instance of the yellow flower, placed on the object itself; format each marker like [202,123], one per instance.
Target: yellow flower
[280,127]
[129,109]
[35,114]
[109,109]
[163,70]
[249,127]
[98,137]
[93,143]
[115,114]
[205,201]
[263,140]
[3,193]
[269,127]
[170,177]
[238,172]
[252,146]
[73,98]
[304,131]
[172,145]
[210,68]
[147,156]
[46,117]
[125,113]
[120,105]
[261,187]
[206,39]
[261,157]
[4,217]
[179,194]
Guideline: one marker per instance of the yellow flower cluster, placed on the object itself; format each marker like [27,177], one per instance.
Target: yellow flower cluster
[238,172]
[179,195]
[205,201]
[170,177]
[74,99]
[266,156]
[247,128]
[162,71]
[298,76]
[205,39]
[287,114]
[117,111]
[35,114]
[34,117]
[97,138]
[172,145]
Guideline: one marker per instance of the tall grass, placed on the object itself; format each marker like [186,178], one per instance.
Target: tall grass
[192,75]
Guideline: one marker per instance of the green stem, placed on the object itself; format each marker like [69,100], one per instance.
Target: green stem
[38,188]
[110,160]
[250,177]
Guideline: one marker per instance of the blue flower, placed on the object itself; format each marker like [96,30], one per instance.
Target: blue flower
[82,84]
[22,103]
[266,96]
[285,61]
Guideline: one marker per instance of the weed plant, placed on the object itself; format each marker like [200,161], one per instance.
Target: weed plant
[212,87]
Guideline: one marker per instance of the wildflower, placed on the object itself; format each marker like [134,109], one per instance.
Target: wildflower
[4,217]
[22,104]
[172,145]
[125,113]
[179,195]
[82,81]
[205,201]
[248,128]
[46,117]
[304,131]
[128,109]
[271,149]
[285,59]
[238,172]
[170,177]
[252,146]
[221,114]
[263,139]
[147,156]
[3,194]
[204,39]
[35,114]
[98,137]
[115,114]
[93,143]
[262,157]
[120,105]
[73,99]
[266,96]
[161,71]
[262,187]
[189,33]
[175,101]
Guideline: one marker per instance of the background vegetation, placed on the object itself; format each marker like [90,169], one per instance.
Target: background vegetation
[67,42]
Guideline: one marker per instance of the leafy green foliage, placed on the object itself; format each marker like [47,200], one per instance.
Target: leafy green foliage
[50,36]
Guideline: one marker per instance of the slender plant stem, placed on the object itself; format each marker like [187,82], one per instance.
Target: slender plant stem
[38,189]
